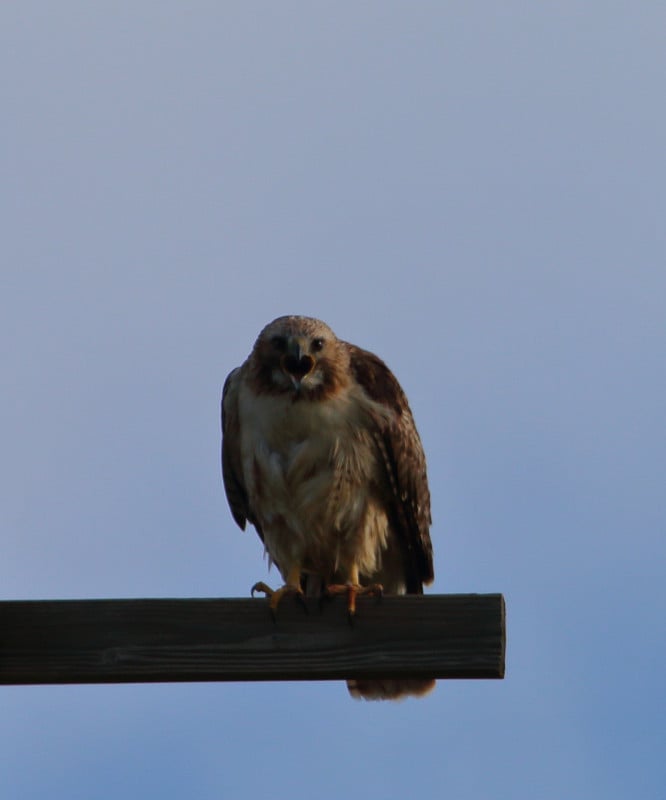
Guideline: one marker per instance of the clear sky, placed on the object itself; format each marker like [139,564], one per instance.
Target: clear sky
[476,192]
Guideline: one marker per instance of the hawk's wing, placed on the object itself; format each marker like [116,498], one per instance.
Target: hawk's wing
[232,472]
[404,461]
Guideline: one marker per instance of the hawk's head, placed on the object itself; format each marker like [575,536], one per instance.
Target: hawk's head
[300,356]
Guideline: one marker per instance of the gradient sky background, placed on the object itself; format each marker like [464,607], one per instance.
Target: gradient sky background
[475,191]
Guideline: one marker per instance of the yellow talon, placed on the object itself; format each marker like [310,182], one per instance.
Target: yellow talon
[291,587]
[352,591]
[260,586]
[284,591]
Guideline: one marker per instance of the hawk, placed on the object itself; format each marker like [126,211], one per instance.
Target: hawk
[321,454]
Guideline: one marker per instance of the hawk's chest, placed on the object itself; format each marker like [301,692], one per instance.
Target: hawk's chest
[296,452]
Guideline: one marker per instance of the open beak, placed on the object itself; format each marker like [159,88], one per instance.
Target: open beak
[296,363]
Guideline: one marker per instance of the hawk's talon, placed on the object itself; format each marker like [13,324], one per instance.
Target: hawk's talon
[352,591]
[260,586]
[275,596]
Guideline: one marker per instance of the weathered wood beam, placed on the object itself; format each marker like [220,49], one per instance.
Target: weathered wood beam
[120,641]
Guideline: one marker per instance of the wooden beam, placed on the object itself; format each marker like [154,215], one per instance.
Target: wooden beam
[120,641]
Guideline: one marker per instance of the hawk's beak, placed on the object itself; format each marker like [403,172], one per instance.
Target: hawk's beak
[295,362]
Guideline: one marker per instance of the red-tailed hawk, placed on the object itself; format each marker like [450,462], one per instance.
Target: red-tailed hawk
[321,454]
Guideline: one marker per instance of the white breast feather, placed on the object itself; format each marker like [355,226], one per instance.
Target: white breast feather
[309,468]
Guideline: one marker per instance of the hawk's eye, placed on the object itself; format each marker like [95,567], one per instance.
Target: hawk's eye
[317,345]
[279,343]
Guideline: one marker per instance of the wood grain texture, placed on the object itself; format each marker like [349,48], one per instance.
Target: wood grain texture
[154,640]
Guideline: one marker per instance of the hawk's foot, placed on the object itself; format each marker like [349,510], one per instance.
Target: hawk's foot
[275,596]
[352,591]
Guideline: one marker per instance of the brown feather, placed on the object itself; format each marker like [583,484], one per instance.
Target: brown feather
[231,467]
[405,465]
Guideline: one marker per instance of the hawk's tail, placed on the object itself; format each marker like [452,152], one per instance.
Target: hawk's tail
[389,689]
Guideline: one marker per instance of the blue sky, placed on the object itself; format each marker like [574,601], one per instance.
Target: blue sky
[473,191]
